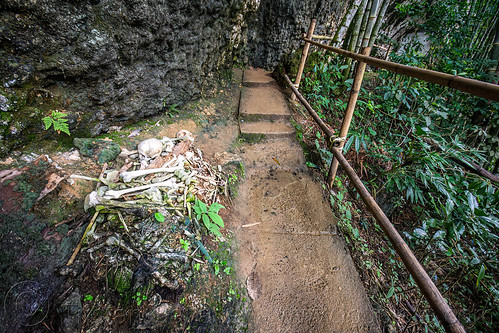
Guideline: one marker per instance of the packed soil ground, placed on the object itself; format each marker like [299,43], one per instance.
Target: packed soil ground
[297,268]
[294,271]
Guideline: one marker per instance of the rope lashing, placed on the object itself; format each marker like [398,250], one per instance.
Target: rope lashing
[335,142]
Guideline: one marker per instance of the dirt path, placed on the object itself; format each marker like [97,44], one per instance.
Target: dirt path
[297,268]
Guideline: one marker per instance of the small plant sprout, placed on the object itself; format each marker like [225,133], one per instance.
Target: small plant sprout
[58,120]
[88,297]
[211,220]
[139,298]
[159,217]
[185,244]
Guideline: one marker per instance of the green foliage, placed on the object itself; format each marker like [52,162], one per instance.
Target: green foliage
[185,244]
[211,220]
[58,120]
[88,298]
[139,298]
[407,135]
[172,110]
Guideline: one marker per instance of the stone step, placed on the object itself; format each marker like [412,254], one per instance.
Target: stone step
[257,77]
[273,154]
[270,129]
[263,103]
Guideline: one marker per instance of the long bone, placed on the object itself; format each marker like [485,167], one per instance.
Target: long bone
[111,194]
[127,176]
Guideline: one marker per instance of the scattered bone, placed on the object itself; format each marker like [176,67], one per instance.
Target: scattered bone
[150,148]
[129,175]
[111,194]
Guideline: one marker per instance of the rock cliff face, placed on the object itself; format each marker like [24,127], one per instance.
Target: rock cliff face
[110,61]
[275,28]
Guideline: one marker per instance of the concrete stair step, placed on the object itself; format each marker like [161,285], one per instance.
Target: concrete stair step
[257,77]
[263,103]
[273,154]
[270,129]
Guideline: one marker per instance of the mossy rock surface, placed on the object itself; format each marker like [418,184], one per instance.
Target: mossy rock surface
[100,150]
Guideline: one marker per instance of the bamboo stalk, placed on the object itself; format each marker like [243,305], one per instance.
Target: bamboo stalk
[354,93]
[370,25]
[365,20]
[357,21]
[304,55]
[474,87]
[354,5]
[377,25]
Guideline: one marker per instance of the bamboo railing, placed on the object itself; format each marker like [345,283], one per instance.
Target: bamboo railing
[424,282]
[474,87]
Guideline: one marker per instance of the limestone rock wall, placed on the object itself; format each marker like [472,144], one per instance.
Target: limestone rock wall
[277,25]
[106,62]
[109,61]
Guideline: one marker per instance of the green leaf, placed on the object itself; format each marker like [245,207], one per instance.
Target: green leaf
[206,221]
[215,230]
[472,202]
[419,130]
[348,144]
[357,144]
[390,292]
[202,206]
[217,219]
[48,122]
[215,207]
[159,217]
[481,274]
[197,210]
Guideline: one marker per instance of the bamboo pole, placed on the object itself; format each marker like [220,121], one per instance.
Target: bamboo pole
[354,93]
[352,42]
[347,119]
[310,110]
[304,55]
[427,287]
[424,282]
[322,37]
[474,87]
[379,20]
